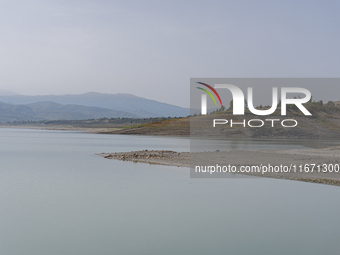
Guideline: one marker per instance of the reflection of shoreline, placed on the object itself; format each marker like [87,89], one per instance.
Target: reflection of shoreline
[296,157]
[63,128]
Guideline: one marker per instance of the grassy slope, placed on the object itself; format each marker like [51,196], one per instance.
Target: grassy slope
[176,127]
[320,125]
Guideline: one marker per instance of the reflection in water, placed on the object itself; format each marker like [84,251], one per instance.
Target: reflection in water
[58,197]
[211,144]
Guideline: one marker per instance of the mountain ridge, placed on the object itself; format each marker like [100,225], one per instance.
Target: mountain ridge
[47,110]
[119,102]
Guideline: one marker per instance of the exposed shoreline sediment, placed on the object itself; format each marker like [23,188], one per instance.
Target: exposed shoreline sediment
[330,155]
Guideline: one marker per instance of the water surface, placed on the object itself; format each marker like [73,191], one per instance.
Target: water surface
[57,197]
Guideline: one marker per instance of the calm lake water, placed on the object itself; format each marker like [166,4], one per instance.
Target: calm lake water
[58,197]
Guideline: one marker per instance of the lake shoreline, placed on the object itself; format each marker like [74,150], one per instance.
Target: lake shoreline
[92,130]
[182,159]
[329,156]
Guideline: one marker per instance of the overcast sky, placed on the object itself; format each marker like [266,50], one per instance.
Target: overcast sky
[153,48]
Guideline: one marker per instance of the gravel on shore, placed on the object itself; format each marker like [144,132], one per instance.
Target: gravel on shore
[296,157]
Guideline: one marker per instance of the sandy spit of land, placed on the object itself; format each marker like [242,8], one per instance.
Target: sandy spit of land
[297,157]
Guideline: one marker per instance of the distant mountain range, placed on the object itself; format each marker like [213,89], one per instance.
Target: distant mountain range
[53,111]
[84,106]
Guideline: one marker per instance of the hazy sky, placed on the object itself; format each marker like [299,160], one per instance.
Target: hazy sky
[152,48]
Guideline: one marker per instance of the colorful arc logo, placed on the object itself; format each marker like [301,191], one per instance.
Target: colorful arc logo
[209,93]
[204,97]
